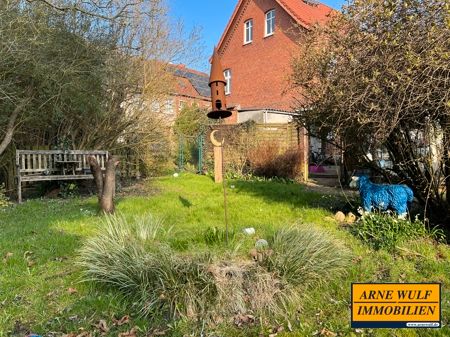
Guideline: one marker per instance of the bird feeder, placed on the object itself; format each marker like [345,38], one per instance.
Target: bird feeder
[217,84]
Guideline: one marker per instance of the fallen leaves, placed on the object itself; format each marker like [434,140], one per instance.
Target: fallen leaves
[82,334]
[119,322]
[241,320]
[28,256]
[131,333]
[102,327]
[7,257]
[72,291]
[327,333]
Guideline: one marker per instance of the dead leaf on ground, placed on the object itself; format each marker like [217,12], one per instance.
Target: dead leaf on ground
[157,332]
[72,290]
[27,254]
[102,326]
[131,333]
[240,320]
[357,259]
[124,320]
[51,294]
[84,334]
[7,257]
[327,333]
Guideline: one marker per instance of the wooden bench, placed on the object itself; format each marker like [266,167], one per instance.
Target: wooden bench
[49,165]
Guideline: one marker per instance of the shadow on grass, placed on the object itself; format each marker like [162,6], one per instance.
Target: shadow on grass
[295,195]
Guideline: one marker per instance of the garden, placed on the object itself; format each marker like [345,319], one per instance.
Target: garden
[162,266]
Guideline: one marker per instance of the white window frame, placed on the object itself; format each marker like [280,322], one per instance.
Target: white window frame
[248,31]
[168,106]
[269,23]
[227,75]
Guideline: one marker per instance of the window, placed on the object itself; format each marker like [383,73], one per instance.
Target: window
[248,31]
[270,22]
[227,75]
[168,107]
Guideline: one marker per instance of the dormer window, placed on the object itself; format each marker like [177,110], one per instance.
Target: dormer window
[248,31]
[270,23]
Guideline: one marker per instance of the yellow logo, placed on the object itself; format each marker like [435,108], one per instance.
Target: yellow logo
[396,305]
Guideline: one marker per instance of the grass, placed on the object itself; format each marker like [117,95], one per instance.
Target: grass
[40,288]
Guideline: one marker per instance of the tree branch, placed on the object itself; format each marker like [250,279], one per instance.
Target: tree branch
[11,125]
[85,11]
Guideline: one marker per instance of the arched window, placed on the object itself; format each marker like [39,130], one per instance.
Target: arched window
[270,22]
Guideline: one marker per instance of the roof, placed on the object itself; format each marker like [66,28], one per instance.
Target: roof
[305,12]
[198,79]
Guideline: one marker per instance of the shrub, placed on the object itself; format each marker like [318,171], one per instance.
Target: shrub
[261,159]
[384,231]
[305,256]
[266,160]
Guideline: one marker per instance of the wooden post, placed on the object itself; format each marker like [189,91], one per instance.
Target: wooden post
[218,158]
[218,174]
[218,164]
[304,153]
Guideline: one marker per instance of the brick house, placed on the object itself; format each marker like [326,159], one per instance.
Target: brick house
[191,88]
[256,49]
[188,87]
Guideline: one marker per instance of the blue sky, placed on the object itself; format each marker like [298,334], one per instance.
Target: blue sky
[212,16]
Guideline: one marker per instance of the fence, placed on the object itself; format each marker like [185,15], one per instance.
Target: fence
[240,139]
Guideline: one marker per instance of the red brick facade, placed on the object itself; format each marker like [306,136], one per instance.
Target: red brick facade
[260,69]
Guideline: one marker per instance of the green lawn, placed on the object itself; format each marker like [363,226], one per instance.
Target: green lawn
[40,288]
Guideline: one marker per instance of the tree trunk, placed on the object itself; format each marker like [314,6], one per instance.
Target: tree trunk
[105,185]
[11,126]
[109,186]
[98,176]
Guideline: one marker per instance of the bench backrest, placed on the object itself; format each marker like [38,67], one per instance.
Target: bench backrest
[46,161]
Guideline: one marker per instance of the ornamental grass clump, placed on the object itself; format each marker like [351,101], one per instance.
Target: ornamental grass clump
[305,256]
[128,256]
[163,284]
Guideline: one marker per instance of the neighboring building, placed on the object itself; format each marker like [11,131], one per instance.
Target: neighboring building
[256,50]
[188,88]
[191,89]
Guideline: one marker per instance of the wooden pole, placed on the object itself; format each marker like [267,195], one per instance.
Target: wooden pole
[219,170]
[224,195]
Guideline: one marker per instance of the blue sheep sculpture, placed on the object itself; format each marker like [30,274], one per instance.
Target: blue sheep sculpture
[383,197]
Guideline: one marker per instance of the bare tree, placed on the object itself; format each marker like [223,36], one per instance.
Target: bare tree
[68,71]
[378,76]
